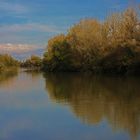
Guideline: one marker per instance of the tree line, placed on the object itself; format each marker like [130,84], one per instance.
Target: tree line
[7,61]
[112,45]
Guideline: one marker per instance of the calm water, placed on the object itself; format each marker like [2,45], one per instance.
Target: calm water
[36,106]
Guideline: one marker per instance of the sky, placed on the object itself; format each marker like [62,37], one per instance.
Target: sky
[30,23]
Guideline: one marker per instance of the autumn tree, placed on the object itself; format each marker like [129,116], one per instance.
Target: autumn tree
[58,55]
[91,44]
[33,62]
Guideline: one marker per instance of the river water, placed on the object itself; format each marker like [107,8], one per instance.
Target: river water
[38,106]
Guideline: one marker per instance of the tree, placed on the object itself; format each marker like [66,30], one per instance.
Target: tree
[91,42]
[58,54]
[33,62]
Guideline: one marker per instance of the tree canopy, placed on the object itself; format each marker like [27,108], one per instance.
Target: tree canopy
[89,44]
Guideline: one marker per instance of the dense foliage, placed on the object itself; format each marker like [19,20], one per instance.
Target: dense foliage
[7,61]
[97,46]
[33,62]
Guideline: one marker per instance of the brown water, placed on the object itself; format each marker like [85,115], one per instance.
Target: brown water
[37,106]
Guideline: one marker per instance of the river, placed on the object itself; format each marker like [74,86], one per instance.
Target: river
[38,106]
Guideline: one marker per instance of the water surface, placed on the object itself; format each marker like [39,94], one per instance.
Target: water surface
[37,106]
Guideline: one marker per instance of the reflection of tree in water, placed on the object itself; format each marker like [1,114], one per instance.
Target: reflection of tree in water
[7,76]
[93,98]
[33,73]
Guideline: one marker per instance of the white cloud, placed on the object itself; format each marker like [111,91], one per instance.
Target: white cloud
[17,48]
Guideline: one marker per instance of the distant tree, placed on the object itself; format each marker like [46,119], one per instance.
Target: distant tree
[7,61]
[32,62]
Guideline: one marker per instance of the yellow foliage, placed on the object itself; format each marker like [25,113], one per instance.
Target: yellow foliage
[90,40]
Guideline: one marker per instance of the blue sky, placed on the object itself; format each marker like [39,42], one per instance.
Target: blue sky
[35,21]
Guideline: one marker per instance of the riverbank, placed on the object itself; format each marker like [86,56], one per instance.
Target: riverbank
[122,61]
